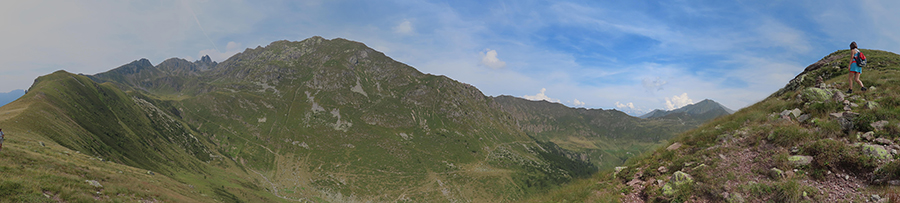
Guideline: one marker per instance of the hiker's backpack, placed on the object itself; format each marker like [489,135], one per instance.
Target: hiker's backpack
[860,60]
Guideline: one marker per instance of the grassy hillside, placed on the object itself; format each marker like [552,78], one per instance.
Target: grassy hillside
[831,152]
[316,121]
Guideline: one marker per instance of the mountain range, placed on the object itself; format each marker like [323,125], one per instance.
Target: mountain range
[313,121]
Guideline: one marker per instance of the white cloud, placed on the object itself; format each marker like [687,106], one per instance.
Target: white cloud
[652,85]
[678,101]
[404,27]
[577,103]
[489,59]
[540,96]
[628,105]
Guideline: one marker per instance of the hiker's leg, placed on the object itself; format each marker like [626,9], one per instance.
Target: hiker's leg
[859,81]
[851,79]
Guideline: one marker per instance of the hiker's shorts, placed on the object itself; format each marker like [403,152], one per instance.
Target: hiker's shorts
[855,68]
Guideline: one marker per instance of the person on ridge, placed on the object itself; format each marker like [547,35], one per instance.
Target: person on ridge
[855,70]
[1,139]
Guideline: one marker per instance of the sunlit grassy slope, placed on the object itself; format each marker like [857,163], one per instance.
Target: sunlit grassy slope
[731,159]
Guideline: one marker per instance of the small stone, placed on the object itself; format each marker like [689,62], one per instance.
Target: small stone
[846,102]
[854,105]
[847,108]
[836,115]
[894,182]
[875,198]
[42,144]
[662,169]
[795,149]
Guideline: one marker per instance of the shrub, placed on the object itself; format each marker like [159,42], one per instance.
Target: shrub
[828,154]
[789,135]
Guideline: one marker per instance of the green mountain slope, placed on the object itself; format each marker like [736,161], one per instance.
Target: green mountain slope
[316,120]
[801,144]
[606,138]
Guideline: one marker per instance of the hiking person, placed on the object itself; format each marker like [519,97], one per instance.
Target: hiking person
[1,139]
[855,69]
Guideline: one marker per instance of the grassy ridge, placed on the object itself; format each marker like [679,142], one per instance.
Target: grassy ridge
[730,158]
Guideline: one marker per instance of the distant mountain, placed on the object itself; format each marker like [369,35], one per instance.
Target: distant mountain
[8,97]
[607,138]
[703,110]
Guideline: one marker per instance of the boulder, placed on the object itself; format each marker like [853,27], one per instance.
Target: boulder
[868,136]
[678,179]
[796,112]
[776,173]
[838,97]
[816,94]
[879,125]
[876,151]
[800,160]
[803,118]
[883,141]
[871,105]
[785,113]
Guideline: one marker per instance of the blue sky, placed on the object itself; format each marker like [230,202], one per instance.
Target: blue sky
[634,56]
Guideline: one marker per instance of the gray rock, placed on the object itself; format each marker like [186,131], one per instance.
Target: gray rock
[854,105]
[800,160]
[836,115]
[846,123]
[803,118]
[883,141]
[662,169]
[815,94]
[785,113]
[871,105]
[869,136]
[894,182]
[776,173]
[674,146]
[838,96]
[879,125]
[796,112]
[94,183]
[876,151]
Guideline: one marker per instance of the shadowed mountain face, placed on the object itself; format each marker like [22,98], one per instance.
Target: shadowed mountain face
[316,120]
